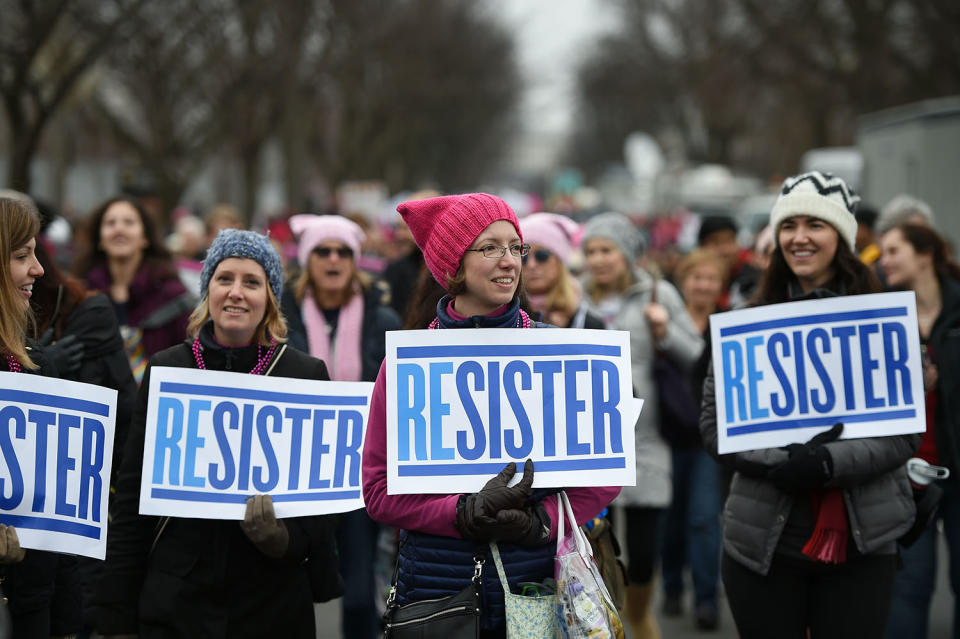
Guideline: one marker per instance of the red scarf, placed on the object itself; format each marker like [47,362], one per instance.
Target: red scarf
[828,543]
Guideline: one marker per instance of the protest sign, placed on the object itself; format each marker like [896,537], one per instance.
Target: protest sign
[785,372]
[214,439]
[462,404]
[56,448]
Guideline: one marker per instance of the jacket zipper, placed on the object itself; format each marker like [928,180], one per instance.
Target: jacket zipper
[440,613]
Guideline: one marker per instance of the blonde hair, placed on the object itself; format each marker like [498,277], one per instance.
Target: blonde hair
[598,292]
[19,223]
[696,258]
[273,326]
[563,295]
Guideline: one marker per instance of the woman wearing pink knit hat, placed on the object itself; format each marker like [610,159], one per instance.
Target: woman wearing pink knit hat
[335,314]
[473,248]
[551,289]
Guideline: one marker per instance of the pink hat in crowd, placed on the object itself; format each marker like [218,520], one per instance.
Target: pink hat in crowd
[444,227]
[558,233]
[312,230]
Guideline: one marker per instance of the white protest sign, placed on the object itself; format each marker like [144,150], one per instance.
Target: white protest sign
[785,372]
[214,439]
[462,404]
[56,448]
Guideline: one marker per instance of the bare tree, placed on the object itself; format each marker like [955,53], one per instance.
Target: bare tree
[45,49]
[756,82]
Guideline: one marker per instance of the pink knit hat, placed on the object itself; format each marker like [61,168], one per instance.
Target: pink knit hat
[444,227]
[314,229]
[558,233]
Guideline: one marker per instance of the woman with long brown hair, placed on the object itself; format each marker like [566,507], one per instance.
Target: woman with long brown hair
[916,258]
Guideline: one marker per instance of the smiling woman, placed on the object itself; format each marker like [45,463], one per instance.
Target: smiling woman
[250,579]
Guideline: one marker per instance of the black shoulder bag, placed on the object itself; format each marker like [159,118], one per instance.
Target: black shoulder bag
[455,616]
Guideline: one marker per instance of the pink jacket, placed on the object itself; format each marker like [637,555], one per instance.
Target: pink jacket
[436,514]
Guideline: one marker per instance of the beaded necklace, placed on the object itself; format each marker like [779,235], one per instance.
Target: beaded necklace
[523,321]
[13,365]
[261,361]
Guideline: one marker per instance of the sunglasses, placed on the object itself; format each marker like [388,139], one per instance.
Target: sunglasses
[342,252]
[540,256]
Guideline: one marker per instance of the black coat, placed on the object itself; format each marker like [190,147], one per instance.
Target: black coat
[944,343]
[378,318]
[104,362]
[199,577]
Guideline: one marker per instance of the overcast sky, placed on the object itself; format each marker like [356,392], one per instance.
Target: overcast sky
[552,37]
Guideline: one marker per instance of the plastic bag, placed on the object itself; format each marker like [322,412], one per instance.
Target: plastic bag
[585,608]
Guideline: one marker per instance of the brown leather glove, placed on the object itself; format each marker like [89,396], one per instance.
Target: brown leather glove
[10,550]
[261,526]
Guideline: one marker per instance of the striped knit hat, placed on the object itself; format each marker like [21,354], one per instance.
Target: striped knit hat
[819,195]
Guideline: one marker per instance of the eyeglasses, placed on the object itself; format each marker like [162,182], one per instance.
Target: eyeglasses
[496,252]
[540,256]
[343,252]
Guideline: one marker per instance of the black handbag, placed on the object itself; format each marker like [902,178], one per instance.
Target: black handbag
[453,617]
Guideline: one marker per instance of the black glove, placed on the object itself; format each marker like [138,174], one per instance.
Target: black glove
[809,466]
[529,526]
[66,354]
[477,512]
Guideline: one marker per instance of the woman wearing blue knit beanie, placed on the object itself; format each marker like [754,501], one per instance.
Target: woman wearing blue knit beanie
[180,577]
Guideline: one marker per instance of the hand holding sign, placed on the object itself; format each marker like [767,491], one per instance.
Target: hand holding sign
[66,353]
[261,526]
[497,511]
[810,465]
[10,550]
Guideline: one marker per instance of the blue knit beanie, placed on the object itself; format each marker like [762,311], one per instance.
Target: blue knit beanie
[238,243]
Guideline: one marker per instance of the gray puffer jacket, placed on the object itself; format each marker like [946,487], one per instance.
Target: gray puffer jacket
[683,344]
[871,471]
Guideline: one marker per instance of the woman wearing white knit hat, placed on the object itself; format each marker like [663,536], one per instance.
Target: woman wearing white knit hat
[810,531]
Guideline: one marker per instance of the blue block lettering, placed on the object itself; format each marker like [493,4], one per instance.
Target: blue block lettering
[732,356]
[843,335]
[192,442]
[869,365]
[754,377]
[470,408]
[222,411]
[829,396]
[349,439]
[895,360]
[573,406]
[606,409]
[319,449]
[64,463]
[510,371]
[8,415]
[548,371]
[169,432]
[246,443]
[493,409]
[296,416]
[784,409]
[800,370]
[266,415]
[410,406]
[44,420]
[438,408]
[91,467]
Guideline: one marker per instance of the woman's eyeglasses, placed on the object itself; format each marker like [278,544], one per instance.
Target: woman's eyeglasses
[343,252]
[540,256]
[496,252]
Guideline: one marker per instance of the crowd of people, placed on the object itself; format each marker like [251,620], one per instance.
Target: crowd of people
[314,300]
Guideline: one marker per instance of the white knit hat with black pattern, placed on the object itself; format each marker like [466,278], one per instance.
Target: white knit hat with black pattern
[819,195]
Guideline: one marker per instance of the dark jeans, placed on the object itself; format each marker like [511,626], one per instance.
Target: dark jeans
[692,527]
[357,545]
[843,601]
[916,579]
